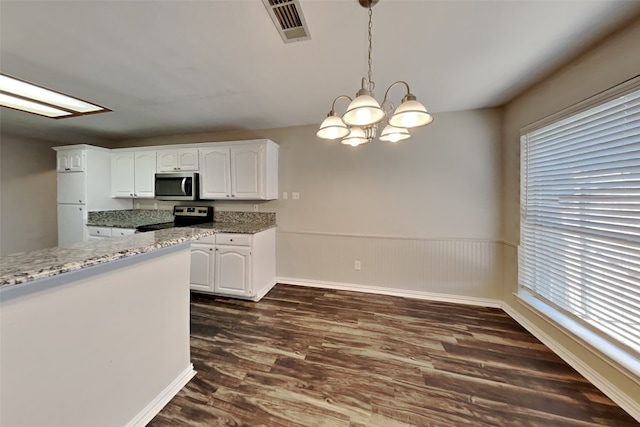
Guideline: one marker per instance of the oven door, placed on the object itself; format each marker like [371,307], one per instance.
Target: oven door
[176,186]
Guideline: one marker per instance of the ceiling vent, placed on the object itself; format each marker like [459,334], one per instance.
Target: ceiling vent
[288,19]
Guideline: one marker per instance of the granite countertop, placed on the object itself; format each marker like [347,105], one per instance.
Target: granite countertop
[235,227]
[27,266]
[224,221]
[128,218]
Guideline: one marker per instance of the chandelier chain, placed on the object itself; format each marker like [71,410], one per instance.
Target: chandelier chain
[371,84]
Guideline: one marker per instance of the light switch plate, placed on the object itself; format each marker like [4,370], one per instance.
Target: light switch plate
[295,195]
[285,195]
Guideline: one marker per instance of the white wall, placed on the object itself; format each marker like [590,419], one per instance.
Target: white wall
[422,216]
[28,218]
[611,62]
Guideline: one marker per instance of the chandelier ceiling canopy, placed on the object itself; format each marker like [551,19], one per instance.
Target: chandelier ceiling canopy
[359,124]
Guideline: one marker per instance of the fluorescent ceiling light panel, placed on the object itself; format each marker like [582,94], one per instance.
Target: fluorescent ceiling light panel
[31,107]
[50,103]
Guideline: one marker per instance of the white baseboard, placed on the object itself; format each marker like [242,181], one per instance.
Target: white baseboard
[156,405]
[604,385]
[265,290]
[430,296]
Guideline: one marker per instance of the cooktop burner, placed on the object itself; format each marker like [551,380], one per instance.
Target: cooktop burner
[184,216]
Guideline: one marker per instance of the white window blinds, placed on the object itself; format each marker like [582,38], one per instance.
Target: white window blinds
[580,217]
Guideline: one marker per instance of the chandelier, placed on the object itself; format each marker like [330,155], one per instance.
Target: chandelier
[359,124]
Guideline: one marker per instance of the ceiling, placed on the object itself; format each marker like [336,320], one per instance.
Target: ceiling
[176,67]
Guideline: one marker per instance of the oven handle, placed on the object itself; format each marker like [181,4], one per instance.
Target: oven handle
[183,186]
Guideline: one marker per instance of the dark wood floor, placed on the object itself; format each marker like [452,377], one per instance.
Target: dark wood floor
[315,357]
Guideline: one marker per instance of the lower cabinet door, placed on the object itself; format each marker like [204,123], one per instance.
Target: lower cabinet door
[71,220]
[202,267]
[233,270]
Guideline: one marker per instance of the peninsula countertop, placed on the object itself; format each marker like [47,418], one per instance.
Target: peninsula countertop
[28,266]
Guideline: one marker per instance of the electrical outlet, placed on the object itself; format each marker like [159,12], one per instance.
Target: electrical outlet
[285,195]
[155,205]
[137,205]
[357,265]
[255,208]
[295,195]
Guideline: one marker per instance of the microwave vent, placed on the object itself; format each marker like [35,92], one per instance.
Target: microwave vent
[288,18]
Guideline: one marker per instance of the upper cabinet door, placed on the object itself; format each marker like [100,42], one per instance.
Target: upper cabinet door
[167,161]
[215,175]
[145,171]
[72,188]
[122,174]
[247,178]
[70,160]
[188,159]
[178,160]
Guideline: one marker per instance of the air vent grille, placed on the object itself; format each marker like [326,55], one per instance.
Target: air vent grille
[288,18]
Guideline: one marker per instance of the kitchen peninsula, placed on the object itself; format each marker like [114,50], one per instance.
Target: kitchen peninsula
[95,333]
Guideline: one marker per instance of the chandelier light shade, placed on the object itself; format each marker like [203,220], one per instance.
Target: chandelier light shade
[410,114]
[394,134]
[332,127]
[364,110]
[359,124]
[356,137]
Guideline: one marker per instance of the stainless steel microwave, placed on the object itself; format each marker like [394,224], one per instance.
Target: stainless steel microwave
[177,186]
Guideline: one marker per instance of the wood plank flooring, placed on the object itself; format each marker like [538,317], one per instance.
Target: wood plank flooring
[316,357]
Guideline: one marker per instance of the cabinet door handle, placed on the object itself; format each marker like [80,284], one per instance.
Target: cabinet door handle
[231,240]
[131,194]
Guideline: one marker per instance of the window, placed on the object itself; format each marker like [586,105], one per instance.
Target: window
[579,253]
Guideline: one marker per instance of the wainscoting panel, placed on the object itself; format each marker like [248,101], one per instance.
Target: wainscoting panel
[470,268]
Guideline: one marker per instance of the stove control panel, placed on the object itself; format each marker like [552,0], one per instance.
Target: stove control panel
[193,211]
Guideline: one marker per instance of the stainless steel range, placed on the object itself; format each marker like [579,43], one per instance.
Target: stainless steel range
[184,216]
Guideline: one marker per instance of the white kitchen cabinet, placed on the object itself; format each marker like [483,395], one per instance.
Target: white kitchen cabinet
[98,232]
[133,174]
[71,220]
[82,190]
[72,187]
[243,170]
[215,177]
[120,232]
[145,171]
[178,160]
[122,174]
[233,270]
[237,265]
[71,160]
[202,267]
[247,178]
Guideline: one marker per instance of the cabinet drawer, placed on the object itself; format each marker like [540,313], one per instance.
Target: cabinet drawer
[233,239]
[99,231]
[122,231]
[210,240]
